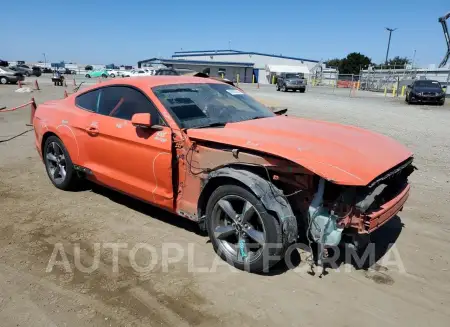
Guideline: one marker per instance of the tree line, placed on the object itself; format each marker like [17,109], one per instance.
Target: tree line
[355,61]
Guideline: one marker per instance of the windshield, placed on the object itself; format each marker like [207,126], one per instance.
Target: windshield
[293,76]
[203,105]
[428,84]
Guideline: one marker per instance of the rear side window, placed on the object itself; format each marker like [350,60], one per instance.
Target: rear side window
[88,101]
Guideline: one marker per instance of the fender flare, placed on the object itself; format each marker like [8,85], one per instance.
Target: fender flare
[272,198]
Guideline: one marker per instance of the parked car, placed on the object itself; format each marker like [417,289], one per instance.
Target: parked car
[36,71]
[113,72]
[166,71]
[23,69]
[206,151]
[291,81]
[116,72]
[4,63]
[138,72]
[425,91]
[97,73]
[47,70]
[66,71]
[10,76]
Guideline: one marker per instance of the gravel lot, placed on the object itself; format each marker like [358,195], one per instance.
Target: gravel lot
[35,216]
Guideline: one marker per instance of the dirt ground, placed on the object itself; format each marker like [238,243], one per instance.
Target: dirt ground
[412,291]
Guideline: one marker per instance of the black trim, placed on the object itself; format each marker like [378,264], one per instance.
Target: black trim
[391,172]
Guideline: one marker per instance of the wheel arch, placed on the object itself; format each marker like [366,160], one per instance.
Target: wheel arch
[271,197]
[65,134]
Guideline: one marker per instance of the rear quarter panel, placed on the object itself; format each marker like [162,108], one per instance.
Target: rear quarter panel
[58,117]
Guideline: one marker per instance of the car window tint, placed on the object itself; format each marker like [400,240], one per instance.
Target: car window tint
[88,100]
[123,102]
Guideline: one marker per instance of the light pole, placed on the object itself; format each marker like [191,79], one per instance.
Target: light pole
[45,60]
[389,42]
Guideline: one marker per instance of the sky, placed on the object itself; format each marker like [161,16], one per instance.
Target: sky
[123,32]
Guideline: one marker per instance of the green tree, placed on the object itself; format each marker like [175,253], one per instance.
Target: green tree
[399,62]
[334,63]
[353,63]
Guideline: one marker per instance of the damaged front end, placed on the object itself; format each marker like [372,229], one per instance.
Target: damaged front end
[336,210]
[305,203]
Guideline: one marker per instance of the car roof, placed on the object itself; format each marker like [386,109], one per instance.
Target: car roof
[144,82]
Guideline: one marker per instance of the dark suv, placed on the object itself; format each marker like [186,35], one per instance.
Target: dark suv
[291,81]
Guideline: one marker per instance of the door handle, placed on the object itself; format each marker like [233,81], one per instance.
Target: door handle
[92,130]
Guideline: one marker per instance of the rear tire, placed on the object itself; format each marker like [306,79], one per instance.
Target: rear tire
[284,88]
[88,76]
[256,244]
[302,90]
[278,87]
[58,164]
[112,75]
[104,75]
[3,80]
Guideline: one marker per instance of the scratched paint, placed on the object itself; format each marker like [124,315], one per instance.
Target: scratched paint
[161,136]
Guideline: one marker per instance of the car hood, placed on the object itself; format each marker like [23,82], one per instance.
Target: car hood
[343,154]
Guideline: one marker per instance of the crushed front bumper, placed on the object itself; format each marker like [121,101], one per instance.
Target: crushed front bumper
[365,223]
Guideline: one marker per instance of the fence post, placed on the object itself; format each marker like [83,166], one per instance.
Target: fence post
[351,87]
[237,78]
[403,90]
[273,79]
[385,91]
[253,79]
[33,110]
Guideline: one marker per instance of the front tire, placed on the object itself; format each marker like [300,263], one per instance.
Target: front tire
[284,88]
[104,75]
[58,164]
[278,87]
[302,90]
[112,75]
[3,80]
[241,230]
[408,101]
[88,76]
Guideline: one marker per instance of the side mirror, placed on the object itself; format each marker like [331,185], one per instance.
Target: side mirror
[143,120]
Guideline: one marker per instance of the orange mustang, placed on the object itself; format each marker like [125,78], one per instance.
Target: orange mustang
[203,149]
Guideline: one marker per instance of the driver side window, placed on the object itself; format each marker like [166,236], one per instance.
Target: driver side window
[123,102]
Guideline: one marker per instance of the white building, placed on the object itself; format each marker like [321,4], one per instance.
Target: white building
[232,64]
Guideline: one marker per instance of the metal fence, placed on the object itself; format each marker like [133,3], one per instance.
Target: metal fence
[395,80]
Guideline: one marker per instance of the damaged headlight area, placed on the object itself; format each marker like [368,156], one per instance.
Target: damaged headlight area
[334,210]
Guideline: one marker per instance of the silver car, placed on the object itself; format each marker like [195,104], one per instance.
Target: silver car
[10,76]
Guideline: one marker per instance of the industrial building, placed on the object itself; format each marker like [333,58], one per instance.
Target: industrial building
[239,66]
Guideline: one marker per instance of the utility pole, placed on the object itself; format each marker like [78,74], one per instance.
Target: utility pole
[414,59]
[389,42]
[45,61]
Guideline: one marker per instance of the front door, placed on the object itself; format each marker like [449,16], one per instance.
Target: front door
[134,160]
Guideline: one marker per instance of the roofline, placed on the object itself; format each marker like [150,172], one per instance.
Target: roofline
[208,51]
[234,52]
[202,62]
